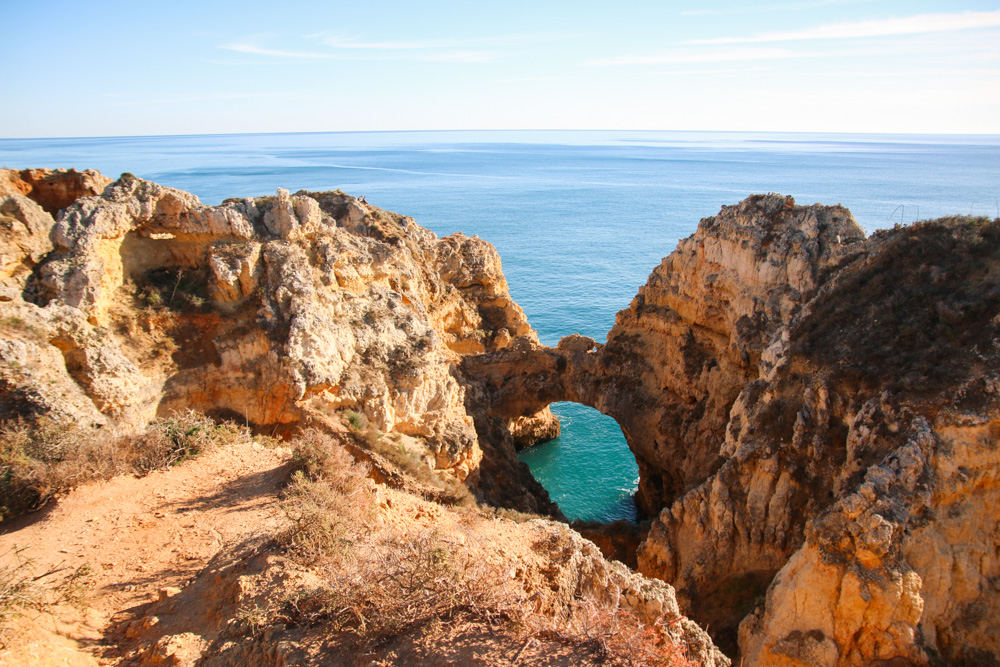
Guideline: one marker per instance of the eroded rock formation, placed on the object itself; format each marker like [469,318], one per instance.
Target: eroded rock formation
[266,310]
[817,415]
[691,340]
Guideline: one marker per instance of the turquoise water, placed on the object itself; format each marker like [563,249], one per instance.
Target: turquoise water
[579,218]
[587,470]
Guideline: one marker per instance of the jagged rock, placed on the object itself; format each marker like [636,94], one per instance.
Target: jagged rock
[816,413]
[53,190]
[533,429]
[691,340]
[24,242]
[265,309]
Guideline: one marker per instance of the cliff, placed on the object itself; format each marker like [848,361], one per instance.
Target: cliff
[860,466]
[815,414]
[815,418]
[340,327]
[276,311]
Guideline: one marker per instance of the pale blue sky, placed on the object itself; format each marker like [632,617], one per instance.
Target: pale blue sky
[108,68]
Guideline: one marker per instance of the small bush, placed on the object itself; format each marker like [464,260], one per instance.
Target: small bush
[356,420]
[329,500]
[401,582]
[44,458]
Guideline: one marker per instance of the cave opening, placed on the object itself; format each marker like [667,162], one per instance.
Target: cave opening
[589,470]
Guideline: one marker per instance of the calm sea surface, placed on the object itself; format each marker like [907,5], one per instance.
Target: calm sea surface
[580,218]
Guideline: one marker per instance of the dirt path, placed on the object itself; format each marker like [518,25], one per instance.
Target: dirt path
[140,538]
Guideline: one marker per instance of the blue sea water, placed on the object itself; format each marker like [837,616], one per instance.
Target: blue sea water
[580,218]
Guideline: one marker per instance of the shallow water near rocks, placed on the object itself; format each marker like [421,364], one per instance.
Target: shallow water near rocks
[580,218]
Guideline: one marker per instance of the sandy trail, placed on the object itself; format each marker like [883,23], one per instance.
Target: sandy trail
[139,536]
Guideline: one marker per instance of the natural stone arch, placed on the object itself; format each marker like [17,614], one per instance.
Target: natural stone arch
[700,331]
[526,378]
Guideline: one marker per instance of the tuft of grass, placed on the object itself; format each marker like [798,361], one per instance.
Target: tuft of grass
[356,420]
[43,458]
[20,590]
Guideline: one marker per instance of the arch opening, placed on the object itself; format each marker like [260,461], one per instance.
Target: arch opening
[589,470]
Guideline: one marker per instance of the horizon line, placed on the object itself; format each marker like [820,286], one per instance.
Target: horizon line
[434,131]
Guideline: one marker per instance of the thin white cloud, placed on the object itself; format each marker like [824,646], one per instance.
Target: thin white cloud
[115,100]
[345,42]
[440,56]
[455,57]
[785,7]
[529,79]
[910,25]
[275,53]
[688,57]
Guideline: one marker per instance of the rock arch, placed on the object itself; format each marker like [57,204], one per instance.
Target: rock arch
[692,339]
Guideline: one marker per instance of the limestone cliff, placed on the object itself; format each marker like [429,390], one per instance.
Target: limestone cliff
[691,340]
[266,310]
[817,415]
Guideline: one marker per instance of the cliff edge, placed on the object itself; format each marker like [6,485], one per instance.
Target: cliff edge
[815,415]
[138,301]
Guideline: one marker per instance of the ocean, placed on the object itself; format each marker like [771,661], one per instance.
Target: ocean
[579,218]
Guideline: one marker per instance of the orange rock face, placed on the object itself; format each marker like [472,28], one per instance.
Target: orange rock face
[814,415]
[265,310]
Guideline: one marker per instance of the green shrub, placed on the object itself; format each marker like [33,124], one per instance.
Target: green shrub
[356,420]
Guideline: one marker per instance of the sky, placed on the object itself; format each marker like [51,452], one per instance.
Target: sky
[146,68]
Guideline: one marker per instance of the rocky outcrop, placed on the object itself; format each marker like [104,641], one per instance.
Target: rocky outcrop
[266,310]
[691,340]
[28,200]
[816,414]
[53,189]
[870,452]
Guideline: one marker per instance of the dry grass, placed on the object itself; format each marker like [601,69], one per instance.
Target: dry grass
[18,591]
[613,633]
[381,581]
[41,459]
[915,315]
[329,499]
[395,582]
[21,590]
